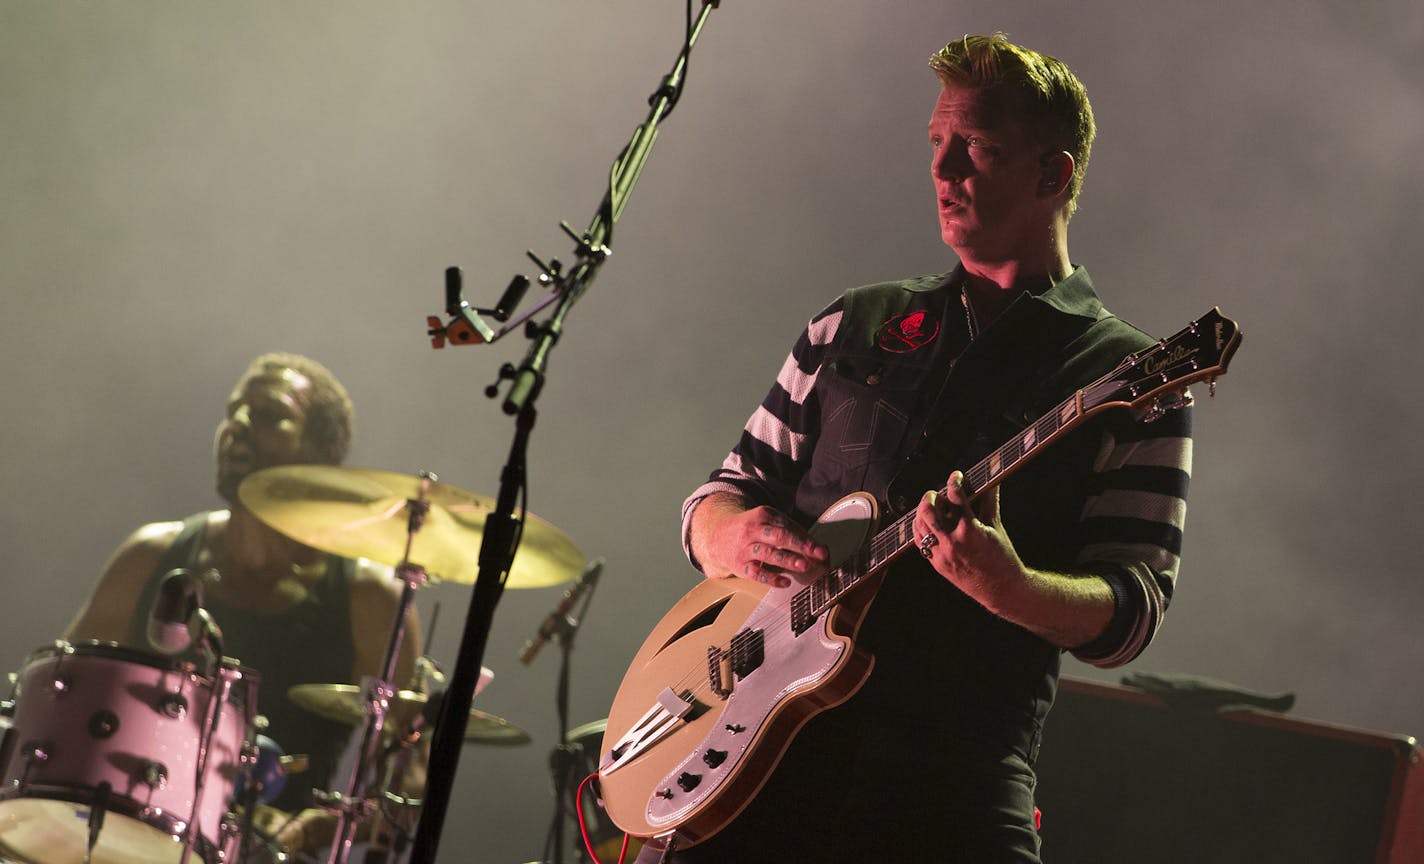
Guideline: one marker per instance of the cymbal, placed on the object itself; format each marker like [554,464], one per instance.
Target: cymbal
[363,513]
[345,704]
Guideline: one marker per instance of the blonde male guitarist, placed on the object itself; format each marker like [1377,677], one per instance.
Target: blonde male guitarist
[889,390]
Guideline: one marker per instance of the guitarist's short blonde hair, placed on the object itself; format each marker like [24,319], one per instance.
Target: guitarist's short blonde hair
[1054,102]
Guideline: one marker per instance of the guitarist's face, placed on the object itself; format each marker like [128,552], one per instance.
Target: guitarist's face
[987,173]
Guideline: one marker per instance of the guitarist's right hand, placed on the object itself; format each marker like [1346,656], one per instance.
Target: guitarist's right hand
[731,538]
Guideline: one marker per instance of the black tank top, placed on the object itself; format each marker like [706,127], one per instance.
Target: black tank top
[309,642]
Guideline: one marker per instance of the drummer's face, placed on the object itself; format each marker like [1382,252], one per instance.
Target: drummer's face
[264,426]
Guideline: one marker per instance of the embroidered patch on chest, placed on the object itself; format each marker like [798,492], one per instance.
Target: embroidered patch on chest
[905,333]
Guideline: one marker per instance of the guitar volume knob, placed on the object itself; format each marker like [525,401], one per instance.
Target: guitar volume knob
[688,781]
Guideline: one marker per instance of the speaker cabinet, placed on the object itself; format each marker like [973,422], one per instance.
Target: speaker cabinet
[1126,779]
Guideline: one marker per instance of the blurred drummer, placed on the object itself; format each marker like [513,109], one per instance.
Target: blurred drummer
[295,614]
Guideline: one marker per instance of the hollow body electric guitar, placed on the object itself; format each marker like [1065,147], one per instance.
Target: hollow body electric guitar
[731,673]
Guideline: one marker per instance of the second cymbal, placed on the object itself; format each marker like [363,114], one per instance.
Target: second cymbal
[344,704]
[364,513]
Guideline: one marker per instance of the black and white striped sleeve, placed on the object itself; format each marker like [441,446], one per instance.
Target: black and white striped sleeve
[1132,525]
[776,443]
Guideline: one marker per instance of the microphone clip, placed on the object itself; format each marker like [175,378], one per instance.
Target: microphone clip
[465,326]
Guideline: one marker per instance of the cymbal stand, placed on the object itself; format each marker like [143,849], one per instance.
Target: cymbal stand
[352,808]
[224,670]
[390,840]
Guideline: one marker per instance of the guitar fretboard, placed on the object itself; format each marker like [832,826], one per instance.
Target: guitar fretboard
[813,600]
[1196,353]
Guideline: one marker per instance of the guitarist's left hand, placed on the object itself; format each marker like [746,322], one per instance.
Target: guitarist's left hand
[973,551]
[970,547]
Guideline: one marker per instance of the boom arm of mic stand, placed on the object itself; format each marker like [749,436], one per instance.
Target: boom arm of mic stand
[592,249]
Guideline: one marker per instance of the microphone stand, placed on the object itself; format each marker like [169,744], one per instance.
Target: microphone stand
[565,756]
[502,528]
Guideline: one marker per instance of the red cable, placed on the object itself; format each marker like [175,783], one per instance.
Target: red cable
[583,828]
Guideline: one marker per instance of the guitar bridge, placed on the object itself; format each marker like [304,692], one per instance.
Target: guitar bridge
[666,715]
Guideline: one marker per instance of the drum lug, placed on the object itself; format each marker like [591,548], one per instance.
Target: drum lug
[174,706]
[248,755]
[152,774]
[33,753]
[37,751]
[103,724]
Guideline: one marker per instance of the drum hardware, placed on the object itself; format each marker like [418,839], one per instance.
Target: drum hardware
[427,531]
[262,780]
[177,622]
[152,774]
[393,833]
[352,808]
[37,751]
[343,703]
[359,513]
[97,809]
[227,672]
[102,748]
[174,705]
[103,724]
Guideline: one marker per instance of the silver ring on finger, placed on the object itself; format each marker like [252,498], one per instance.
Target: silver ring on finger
[927,544]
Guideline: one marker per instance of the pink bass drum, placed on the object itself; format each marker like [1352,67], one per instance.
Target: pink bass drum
[104,748]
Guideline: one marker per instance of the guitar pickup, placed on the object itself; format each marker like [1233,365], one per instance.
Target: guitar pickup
[741,658]
[719,671]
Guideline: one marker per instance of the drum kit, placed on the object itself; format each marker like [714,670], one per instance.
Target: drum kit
[112,755]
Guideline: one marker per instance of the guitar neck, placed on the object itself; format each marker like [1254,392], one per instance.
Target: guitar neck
[1152,380]
[898,536]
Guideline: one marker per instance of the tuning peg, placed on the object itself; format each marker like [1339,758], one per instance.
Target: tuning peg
[1167,402]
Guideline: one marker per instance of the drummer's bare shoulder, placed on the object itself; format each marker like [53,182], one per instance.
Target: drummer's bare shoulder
[374,584]
[375,598]
[110,607]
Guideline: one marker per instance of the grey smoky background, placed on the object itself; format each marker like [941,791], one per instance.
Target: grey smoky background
[184,186]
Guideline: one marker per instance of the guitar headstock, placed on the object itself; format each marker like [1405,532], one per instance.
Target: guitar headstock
[1155,378]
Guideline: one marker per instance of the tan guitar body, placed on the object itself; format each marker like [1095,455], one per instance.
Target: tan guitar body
[748,729]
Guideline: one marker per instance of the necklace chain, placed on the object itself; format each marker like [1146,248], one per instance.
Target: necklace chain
[969,315]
